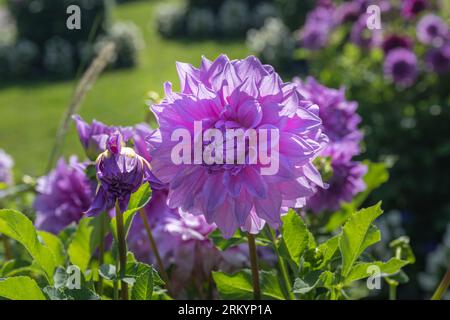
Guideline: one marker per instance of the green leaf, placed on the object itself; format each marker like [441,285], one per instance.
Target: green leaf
[239,285]
[63,293]
[135,269]
[18,227]
[20,288]
[361,270]
[138,200]
[84,242]
[143,286]
[357,235]
[312,281]
[326,251]
[295,235]
[376,175]
[55,245]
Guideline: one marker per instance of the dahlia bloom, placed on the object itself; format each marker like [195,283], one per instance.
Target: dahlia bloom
[120,172]
[340,123]
[6,164]
[183,244]
[431,29]
[63,195]
[401,66]
[438,59]
[339,118]
[94,136]
[395,41]
[315,33]
[346,182]
[410,8]
[237,94]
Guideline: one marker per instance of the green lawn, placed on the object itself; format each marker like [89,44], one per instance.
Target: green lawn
[30,112]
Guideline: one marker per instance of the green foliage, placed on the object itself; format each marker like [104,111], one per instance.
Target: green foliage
[20,288]
[239,285]
[18,227]
[84,242]
[295,235]
[358,233]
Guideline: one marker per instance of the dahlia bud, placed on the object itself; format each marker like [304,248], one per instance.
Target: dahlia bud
[120,172]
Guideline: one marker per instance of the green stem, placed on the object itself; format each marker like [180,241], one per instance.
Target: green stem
[392,291]
[442,288]
[101,250]
[284,274]
[154,247]
[122,251]
[254,265]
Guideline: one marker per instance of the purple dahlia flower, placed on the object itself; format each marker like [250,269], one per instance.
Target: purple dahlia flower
[438,59]
[340,123]
[339,118]
[395,41]
[431,29]
[347,12]
[400,65]
[94,136]
[62,196]
[183,244]
[6,164]
[120,172]
[410,8]
[362,36]
[346,182]
[220,97]
[315,33]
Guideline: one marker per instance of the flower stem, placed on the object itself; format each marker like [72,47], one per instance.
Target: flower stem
[442,288]
[101,250]
[392,291]
[284,274]
[254,265]
[154,247]
[122,251]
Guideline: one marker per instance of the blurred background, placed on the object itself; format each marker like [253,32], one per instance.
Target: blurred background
[406,123]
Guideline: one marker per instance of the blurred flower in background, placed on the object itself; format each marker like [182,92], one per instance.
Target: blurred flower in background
[6,164]
[63,196]
[400,66]
[340,123]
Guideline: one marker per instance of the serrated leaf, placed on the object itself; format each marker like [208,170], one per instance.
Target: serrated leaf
[20,288]
[356,236]
[295,235]
[18,227]
[361,270]
[138,200]
[55,245]
[239,285]
[143,286]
